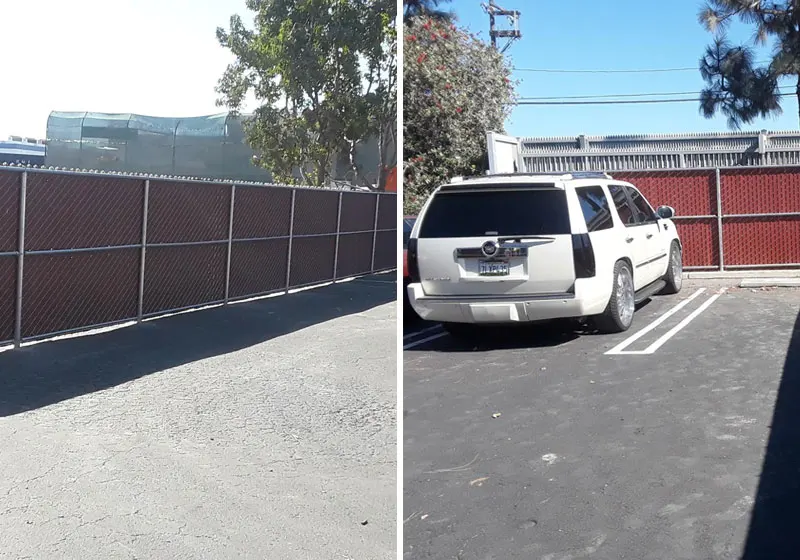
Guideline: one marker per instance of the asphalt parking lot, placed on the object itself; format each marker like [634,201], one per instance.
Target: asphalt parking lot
[682,442]
[262,430]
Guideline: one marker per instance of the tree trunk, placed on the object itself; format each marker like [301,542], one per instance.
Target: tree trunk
[797,93]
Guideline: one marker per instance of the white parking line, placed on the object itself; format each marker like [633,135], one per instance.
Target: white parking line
[618,349]
[417,333]
[670,333]
[424,340]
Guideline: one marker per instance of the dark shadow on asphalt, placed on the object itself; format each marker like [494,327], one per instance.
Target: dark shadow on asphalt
[484,339]
[775,522]
[489,338]
[50,372]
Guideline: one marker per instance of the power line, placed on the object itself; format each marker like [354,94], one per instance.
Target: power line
[618,102]
[638,71]
[560,97]
[613,71]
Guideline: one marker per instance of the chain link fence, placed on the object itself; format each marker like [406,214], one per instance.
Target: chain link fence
[730,218]
[80,251]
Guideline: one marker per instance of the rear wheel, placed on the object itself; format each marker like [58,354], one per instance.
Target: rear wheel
[618,315]
[674,276]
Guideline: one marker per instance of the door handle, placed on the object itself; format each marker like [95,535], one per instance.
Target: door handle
[629,239]
[649,235]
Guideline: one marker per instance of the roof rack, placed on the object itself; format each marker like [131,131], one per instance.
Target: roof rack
[588,175]
[564,176]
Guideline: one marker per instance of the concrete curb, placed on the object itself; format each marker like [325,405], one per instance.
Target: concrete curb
[770,283]
[742,274]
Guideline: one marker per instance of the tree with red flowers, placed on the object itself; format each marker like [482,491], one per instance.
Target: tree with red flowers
[456,87]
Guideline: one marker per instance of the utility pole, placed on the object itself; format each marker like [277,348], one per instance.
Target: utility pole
[512,34]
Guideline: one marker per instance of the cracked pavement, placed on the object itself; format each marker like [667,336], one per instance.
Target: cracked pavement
[263,430]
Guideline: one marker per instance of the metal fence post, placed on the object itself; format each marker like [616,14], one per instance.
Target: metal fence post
[338,230]
[23,195]
[291,234]
[719,221]
[143,255]
[230,247]
[375,232]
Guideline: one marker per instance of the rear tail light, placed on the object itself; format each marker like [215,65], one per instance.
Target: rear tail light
[583,255]
[413,265]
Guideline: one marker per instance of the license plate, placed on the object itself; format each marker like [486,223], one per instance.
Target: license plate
[487,268]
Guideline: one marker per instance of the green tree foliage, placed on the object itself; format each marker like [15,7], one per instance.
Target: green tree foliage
[324,75]
[455,89]
[426,8]
[736,86]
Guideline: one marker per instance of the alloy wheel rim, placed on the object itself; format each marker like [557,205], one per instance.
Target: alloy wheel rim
[677,267]
[625,296]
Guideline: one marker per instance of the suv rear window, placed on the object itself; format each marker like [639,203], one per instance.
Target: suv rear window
[500,212]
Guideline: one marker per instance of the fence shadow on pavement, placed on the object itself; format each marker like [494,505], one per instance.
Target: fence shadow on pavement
[43,374]
[774,530]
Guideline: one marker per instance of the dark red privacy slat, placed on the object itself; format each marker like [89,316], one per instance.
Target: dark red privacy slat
[387,212]
[258,267]
[760,191]
[358,212]
[261,212]
[184,212]
[312,260]
[178,277]
[754,241]
[8,288]
[355,254]
[9,210]
[72,290]
[69,211]
[691,193]
[385,250]
[700,241]
[315,211]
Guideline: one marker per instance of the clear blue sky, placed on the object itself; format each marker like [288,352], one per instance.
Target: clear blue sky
[623,34]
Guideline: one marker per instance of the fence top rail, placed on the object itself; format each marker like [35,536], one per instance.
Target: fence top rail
[176,179]
[709,169]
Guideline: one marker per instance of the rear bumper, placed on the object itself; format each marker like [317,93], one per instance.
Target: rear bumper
[589,299]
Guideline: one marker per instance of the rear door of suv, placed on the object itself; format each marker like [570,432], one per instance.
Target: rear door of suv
[496,239]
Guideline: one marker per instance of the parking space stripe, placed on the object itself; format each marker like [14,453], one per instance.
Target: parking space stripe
[423,331]
[674,330]
[618,349]
[424,340]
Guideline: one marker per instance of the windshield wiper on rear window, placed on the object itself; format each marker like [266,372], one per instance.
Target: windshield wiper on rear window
[519,238]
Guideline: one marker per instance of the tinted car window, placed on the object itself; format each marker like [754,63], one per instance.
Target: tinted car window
[596,210]
[500,212]
[627,215]
[644,212]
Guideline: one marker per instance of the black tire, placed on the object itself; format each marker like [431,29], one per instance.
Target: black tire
[612,320]
[674,276]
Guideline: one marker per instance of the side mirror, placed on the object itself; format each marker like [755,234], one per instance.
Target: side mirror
[665,212]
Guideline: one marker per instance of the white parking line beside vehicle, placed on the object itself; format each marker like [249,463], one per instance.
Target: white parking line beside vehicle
[417,333]
[424,340]
[619,348]
[674,330]
[633,338]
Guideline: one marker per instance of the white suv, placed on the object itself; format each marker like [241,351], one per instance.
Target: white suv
[527,247]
